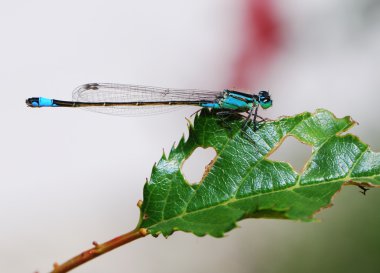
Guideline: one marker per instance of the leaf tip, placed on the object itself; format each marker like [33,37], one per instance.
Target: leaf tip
[163,155]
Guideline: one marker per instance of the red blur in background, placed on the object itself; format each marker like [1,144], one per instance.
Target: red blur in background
[262,39]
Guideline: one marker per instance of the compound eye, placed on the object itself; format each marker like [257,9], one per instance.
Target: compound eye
[266,103]
[264,94]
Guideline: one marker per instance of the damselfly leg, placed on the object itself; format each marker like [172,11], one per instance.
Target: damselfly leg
[225,116]
[252,116]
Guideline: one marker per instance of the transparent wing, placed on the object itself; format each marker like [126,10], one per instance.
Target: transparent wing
[110,92]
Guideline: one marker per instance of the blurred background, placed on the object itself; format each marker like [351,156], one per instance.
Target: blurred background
[70,177]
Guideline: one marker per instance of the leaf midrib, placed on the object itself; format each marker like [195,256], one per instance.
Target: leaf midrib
[232,200]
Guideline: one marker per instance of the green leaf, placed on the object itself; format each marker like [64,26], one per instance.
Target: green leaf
[243,183]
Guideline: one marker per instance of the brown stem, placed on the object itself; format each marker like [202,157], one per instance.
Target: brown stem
[99,249]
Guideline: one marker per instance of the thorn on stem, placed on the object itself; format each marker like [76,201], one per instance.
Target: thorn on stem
[143,231]
[95,244]
[55,265]
[139,203]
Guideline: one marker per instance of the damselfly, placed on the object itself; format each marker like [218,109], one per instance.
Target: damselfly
[129,100]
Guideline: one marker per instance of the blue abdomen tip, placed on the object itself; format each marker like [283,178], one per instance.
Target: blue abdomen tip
[44,102]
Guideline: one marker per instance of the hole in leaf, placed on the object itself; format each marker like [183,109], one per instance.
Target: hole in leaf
[293,152]
[197,164]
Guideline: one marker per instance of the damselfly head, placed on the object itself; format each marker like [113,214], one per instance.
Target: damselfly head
[264,99]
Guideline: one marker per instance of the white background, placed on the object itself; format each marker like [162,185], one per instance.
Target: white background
[69,177]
